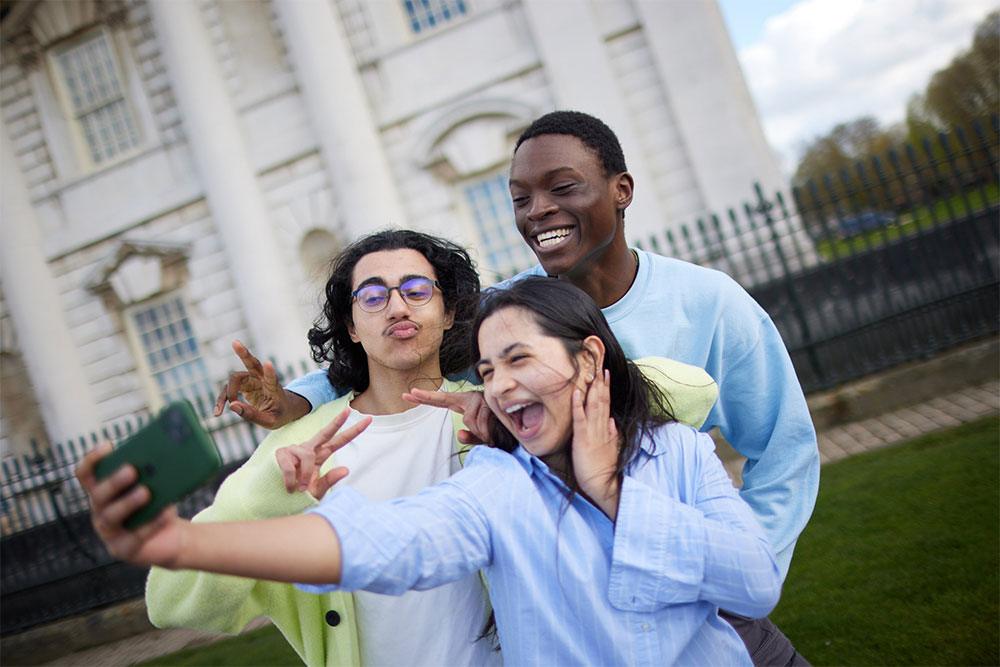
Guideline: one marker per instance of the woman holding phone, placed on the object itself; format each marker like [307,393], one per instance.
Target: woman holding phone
[608,533]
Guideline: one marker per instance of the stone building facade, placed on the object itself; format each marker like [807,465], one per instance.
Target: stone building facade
[176,175]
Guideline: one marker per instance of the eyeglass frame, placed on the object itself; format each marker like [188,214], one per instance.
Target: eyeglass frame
[388,294]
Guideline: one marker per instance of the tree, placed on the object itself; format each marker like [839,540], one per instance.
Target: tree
[966,90]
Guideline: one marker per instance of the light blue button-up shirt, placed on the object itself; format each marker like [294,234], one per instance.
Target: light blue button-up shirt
[568,585]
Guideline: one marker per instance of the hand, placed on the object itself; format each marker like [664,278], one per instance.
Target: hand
[115,498]
[268,404]
[471,405]
[300,464]
[595,445]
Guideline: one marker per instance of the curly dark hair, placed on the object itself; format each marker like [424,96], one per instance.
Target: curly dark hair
[456,273]
[590,130]
[568,313]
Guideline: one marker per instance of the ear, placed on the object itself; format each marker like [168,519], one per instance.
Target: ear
[623,190]
[591,356]
[353,332]
[449,319]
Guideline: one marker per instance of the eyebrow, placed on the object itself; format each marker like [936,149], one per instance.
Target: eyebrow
[548,174]
[376,280]
[504,353]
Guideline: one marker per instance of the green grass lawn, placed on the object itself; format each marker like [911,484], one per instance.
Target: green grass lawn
[898,565]
[260,648]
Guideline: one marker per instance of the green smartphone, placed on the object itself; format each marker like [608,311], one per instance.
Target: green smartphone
[174,455]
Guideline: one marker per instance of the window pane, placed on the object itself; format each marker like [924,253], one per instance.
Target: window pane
[504,252]
[97,99]
[172,351]
[426,14]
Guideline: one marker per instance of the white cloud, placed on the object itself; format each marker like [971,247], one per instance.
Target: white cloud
[822,62]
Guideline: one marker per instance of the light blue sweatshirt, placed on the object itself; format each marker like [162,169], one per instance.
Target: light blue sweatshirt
[702,317]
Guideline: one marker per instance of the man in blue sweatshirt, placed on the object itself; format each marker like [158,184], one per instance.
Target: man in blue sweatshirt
[570,187]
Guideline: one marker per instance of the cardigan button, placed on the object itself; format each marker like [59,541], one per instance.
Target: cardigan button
[332,618]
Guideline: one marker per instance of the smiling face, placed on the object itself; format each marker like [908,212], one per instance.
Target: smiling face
[565,206]
[401,337]
[528,382]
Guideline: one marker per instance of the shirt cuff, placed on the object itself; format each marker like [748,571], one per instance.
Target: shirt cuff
[314,387]
[654,559]
[370,542]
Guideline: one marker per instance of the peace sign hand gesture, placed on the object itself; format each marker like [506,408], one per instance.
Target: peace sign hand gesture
[300,464]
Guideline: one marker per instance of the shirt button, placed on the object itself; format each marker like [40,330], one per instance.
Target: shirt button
[645,627]
[332,618]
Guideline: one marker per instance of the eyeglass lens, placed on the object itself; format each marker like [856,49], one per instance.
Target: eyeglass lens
[416,292]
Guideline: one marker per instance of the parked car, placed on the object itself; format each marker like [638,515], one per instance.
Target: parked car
[865,221]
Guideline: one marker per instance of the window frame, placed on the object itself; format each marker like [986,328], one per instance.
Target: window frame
[74,119]
[156,395]
[513,239]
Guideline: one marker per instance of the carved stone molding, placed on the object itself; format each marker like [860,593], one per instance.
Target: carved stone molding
[33,27]
[136,271]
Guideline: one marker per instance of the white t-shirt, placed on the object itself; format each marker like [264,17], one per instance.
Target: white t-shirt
[399,455]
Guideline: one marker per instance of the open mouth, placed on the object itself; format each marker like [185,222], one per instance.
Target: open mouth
[526,417]
[552,237]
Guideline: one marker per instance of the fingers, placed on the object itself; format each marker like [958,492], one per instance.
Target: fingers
[230,391]
[109,521]
[85,468]
[579,414]
[300,464]
[476,416]
[324,483]
[467,437]
[270,379]
[296,463]
[329,431]
[251,414]
[251,362]
[240,380]
[454,401]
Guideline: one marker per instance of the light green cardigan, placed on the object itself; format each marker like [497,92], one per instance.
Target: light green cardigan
[225,604]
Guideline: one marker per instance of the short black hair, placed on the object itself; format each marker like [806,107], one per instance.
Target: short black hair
[592,131]
[329,337]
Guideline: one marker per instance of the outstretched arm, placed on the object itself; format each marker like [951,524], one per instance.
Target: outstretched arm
[267,403]
[257,549]
[302,548]
[217,603]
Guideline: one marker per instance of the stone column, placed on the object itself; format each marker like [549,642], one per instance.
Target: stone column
[715,113]
[570,43]
[349,140]
[220,154]
[47,347]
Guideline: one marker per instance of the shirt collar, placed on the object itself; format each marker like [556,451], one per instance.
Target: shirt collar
[533,465]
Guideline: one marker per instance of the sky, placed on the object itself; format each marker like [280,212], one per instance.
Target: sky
[811,64]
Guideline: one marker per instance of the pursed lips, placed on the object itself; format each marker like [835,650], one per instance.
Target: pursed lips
[404,329]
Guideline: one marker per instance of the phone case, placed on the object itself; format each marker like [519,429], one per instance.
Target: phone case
[174,455]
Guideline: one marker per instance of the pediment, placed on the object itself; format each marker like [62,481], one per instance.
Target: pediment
[136,271]
[470,138]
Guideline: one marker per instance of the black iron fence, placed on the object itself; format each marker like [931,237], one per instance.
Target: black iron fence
[892,261]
